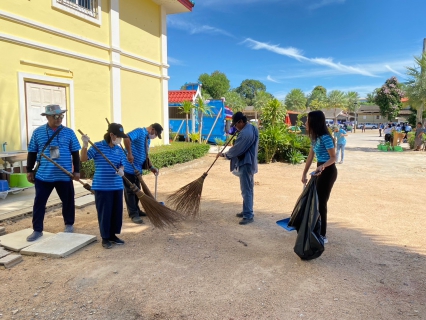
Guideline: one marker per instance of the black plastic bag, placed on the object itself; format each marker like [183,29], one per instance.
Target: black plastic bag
[307,221]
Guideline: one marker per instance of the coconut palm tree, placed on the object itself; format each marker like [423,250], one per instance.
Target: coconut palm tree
[295,100]
[415,89]
[203,109]
[336,99]
[186,108]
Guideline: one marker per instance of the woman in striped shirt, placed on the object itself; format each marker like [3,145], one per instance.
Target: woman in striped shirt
[322,145]
[107,182]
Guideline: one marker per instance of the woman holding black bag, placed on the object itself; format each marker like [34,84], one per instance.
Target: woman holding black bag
[322,145]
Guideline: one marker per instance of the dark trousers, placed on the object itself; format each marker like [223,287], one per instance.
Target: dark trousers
[109,205]
[325,182]
[43,189]
[131,198]
[380,132]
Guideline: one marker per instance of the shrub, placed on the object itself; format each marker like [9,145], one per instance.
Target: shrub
[87,169]
[411,137]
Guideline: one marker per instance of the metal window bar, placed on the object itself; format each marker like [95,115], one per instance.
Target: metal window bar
[89,7]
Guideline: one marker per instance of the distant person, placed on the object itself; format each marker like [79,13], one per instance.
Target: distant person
[363,127]
[322,146]
[418,141]
[408,129]
[381,127]
[388,133]
[339,136]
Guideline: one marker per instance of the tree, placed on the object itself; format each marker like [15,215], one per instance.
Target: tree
[352,99]
[186,108]
[336,99]
[317,99]
[371,97]
[203,109]
[234,101]
[273,113]
[216,84]
[295,100]
[248,89]
[388,98]
[415,88]
[261,99]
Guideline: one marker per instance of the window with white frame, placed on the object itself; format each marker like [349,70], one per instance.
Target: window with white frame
[85,9]
[378,117]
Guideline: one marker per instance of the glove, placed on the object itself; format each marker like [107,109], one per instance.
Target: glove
[120,171]
[85,140]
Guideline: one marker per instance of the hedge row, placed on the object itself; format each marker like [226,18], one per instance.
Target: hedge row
[162,156]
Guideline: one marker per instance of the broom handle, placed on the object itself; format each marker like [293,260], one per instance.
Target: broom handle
[65,170]
[107,160]
[222,150]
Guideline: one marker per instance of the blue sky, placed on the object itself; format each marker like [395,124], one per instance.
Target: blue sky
[348,45]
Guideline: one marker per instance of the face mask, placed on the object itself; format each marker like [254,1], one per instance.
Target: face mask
[152,136]
[117,141]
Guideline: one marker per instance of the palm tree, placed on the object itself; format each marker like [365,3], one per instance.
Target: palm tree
[415,89]
[336,100]
[186,108]
[295,100]
[235,101]
[352,99]
[203,109]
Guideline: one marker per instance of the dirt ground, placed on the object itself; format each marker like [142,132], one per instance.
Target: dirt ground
[374,266]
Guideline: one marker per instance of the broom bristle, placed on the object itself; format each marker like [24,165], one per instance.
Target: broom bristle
[145,188]
[187,199]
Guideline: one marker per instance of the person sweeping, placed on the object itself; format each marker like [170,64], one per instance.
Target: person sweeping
[107,182]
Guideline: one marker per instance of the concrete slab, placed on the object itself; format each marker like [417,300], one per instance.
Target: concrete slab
[2,231]
[84,201]
[3,253]
[60,245]
[10,260]
[16,241]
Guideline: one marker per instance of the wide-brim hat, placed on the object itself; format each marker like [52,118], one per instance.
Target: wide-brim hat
[52,109]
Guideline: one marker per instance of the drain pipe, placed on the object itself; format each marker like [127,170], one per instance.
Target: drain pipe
[4,146]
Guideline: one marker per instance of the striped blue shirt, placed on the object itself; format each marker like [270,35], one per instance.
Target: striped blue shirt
[105,178]
[338,136]
[138,138]
[321,145]
[67,142]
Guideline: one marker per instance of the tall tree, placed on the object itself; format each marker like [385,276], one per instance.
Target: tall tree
[234,101]
[203,109]
[388,98]
[261,99]
[273,113]
[186,108]
[296,100]
[248,89]
[352,99]
[317,99]
[371,97]
[336,99]
[216,84]
[415,88]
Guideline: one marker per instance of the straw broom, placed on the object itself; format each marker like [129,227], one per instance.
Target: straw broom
[159,215]
[85,185]
[138,174]
[187,199]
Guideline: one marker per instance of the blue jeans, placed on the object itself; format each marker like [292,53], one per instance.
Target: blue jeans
[340,147]
[247,186]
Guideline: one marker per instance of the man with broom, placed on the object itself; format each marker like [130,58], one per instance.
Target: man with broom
[137,147]
[243,156]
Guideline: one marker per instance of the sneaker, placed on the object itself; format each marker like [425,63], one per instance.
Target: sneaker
[106,244]
[34,236]
[245,221]
[341,162]
[69,228]
[137,220]
[325,240]
[239,215]
[116,240]
[142,214]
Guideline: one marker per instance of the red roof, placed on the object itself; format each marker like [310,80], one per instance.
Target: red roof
[181,95]
[188,4]
[404,99]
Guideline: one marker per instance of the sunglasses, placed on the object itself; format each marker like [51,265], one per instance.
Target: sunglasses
[58,116]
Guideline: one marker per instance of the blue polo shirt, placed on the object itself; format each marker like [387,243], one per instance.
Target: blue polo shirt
[105,178]
[321,145]
[138,138]
[340,139]
[67,142]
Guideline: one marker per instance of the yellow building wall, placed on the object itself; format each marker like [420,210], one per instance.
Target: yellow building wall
[140,28]
[43,12]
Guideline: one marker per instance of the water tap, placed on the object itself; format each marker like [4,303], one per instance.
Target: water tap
[4,146]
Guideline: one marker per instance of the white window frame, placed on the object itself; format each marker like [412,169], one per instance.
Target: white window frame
[78,13]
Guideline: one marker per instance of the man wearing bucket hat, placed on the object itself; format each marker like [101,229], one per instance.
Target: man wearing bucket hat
[243,156]
[137,146]
[61,145]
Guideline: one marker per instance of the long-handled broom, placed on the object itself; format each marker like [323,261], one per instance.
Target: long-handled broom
[138,174]
[159,215]
[187,199]
[85,185]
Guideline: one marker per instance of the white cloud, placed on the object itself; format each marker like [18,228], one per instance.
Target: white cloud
[324,3]
[192,28]
[175,62]
[394,71]
[269,78]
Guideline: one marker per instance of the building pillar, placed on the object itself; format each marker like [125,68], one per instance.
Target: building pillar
[115,61]
[164,76]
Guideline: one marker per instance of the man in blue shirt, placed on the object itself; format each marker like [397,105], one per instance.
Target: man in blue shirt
[339,136]
[243,156]
[63,149]
[137,146]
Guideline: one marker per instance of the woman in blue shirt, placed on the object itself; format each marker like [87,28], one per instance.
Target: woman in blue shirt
[107,182]
[323,147]
[339,135]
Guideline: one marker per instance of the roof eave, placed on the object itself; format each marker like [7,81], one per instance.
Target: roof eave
[175,6]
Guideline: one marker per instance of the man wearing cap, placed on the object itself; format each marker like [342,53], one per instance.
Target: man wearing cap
[137,146]
[243,156]
[64,150]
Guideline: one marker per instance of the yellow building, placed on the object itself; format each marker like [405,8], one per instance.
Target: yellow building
[96,58]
